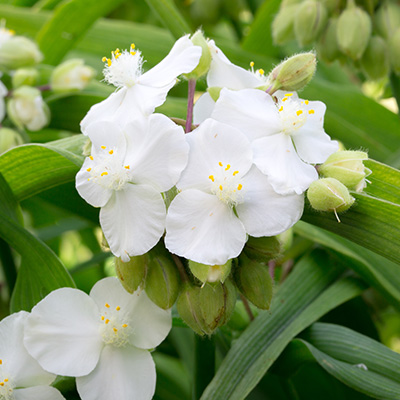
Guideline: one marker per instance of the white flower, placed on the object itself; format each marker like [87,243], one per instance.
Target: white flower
[224,74]
[21,377]
[141,92]
[125,175]
[5,34]
[222,197]
[3,93]
[287,136]
[102,339]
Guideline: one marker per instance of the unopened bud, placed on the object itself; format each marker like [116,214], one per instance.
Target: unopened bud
[162,281]
[17,52]
[394,51]
[328,48]
[24,77]
[71,75]
[328,194]
[263,248]
[293,73]
[347,167]
[387,18]
[353,31]
[283,24]
[309,21]
[330,5]
[206,308]
[203,66]
[9,139]
[375,60]
[254,281]
[210,273]
[132,273]
[27,109]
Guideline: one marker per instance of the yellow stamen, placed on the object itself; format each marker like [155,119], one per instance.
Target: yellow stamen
[107,305]
[6,380]
[89,169]
[111,152]
[102,174]
[227,167]
[103,147]
[102,318]
[299,112]
[124,325]
[91,157]
[220,164]
[104,59]
[235,173]
[306,102]
[133,46]
[118,308]
[311,111]
[288,94]
[133,53]
[1,383]
[109,62]
[281,109]
[1,362]
[240,186]
[285,98]
[211,177]
[220,187]
[127,166]
[115,330]
[252,64]
[107,321]
[261,71]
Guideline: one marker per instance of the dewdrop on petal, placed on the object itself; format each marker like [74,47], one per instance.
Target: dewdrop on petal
[210,273]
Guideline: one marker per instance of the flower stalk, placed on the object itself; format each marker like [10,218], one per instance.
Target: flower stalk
[189,116]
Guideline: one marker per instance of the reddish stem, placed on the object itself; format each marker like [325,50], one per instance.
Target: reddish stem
[189,116]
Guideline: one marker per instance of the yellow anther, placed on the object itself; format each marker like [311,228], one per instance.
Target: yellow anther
[1,383]
[299,112]
[103,147]
[281,109]
[103,318]
[240,186]
[111,152]
[102,174]
[117,55]
[227,167]
[6,380]
[133,46]
[107,321]
[261,71]
[252,64]
[220,187]
[127,166]
[117,50]
[133,53]
[220,164]
[1,362]
[107,305]
[284,99]
[89,169]
[124,325]
[104,59]
[306,102]
[91,157]
[211,177]
[118,308]
[235,173]
[109,62]
[115,330]
[88,179]
[311,111]
[288,94]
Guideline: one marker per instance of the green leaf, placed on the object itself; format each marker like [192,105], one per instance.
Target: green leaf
[70,21]
[309,292]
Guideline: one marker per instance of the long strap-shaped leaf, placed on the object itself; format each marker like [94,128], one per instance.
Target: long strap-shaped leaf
[308,293]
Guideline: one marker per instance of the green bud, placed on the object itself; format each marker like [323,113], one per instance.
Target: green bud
[24,77]
[330,5]
[347,167]
[9,139]
[254,281]
[328,48]
[293,73]
[263,249]
[394,51]
[132,274]
[206,308]
[18,52]
[210,273]
[27,109]
[203,66]
[214,92]
[375,60]
[283,24]
[71,75]
[163,280]
[353,31]
[387,19]
[309,21]
[328,194]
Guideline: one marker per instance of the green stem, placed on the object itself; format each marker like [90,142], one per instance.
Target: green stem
[9,268]
[204,364]
[395,84]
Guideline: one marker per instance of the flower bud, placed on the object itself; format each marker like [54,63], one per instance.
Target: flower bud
[387,18]
[309,21]
[9,139]
[203,66]
[394,51]
[293,73]
[328,48]
[18,52]
[375,60]
[328,194]
[132,274]
[347,167]
[162,280]
[254,281]
[27,109]
[206,308]
[283,24]
[210,273]
[24,77]
[71,75]
[353,31]
[330,5]
[263,249]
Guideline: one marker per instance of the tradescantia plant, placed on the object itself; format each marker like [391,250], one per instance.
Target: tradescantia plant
[194,204]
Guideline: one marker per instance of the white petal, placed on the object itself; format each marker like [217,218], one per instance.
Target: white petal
[202,228]
[223,73]
[264,212]
[203,108]
[252,111]
[62,333]
[38,392]
[123,373]
[211,143]
[182,58]
[157,152]
[150,324]
[133,220]
[22,368]
[276,157]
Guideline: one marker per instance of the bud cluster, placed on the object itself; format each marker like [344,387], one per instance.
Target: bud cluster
[366,33]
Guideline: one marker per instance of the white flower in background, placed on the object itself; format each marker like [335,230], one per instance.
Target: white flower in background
[125,175]
[224,74]
[5,34]
[287,135]
[140,92]
[21,377]
[223,197]
[3,94]
[102,339]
